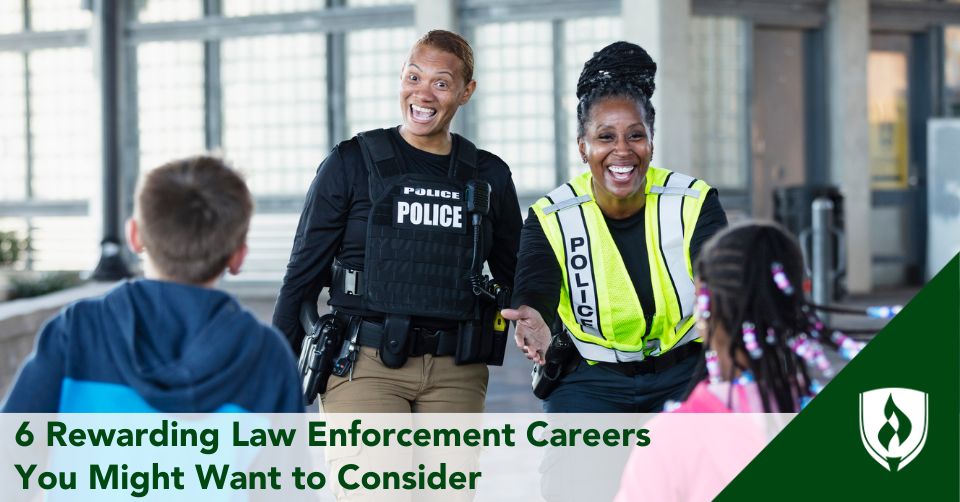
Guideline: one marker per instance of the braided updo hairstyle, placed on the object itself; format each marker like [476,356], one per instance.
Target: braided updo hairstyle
[622,70]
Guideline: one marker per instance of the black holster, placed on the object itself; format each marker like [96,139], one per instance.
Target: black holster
[318,350]
[561,359]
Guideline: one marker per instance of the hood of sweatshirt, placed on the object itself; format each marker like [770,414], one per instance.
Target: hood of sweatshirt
[179,346]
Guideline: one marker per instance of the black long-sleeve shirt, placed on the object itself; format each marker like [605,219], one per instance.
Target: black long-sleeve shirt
[539,276]
[334,224]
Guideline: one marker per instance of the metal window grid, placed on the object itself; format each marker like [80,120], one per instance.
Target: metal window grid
[374,59]
[513,112]
[11,16]
[719,100]
[188,92]
[581,37]
[170,101]
[13,127]
[169,10]
[63,122]
[50,15]
[64,156]
[274,105]
[254,7]
[377,3]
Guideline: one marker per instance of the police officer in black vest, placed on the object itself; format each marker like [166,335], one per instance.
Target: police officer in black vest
[398,223]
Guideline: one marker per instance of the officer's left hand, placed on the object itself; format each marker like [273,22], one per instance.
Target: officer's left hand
[532,334]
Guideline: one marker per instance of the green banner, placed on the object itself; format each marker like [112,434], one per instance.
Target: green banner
[887,427]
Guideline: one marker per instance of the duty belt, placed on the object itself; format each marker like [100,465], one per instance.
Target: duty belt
[656,364]
[423,341]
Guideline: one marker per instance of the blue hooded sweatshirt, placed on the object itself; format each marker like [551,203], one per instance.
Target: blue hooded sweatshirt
[157,346]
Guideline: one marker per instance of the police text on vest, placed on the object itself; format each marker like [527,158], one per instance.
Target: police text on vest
[581,287]
[431,192]
[429,214]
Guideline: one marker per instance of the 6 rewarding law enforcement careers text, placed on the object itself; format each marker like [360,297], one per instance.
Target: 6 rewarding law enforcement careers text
[171,433]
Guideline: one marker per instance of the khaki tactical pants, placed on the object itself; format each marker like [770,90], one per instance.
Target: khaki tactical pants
[425,384]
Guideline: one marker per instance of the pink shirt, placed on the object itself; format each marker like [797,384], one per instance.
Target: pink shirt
[694,456]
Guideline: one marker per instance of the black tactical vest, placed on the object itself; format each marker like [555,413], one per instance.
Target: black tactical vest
[419,245]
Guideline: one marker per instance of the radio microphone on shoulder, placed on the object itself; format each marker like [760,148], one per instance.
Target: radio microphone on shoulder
[478,198]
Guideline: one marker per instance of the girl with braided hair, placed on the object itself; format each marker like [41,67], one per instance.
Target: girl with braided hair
[763,344]
[760,335]
[605,259]
[752,320]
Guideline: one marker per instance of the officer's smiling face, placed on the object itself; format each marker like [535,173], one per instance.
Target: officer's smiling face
[432,89]
[618,149]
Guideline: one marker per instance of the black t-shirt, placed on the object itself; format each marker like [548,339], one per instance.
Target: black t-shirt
[538,272]
[334,224]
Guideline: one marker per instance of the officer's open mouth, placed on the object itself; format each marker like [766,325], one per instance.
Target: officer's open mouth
[422,114]
[621,172]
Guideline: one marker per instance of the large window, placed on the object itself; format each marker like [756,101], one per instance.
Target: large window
[11,17]
[65,155]
[513,111]
[49,15]
[169,10]
[274,109]
[49,137]
[170,101]
[13,128]
[258,86]
[718,69]
[371,3]
[374,59]
[525,107]
[275,130]
[253,7]
[63,123]
[582,38]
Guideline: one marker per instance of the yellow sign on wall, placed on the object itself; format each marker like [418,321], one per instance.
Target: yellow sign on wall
[888,119]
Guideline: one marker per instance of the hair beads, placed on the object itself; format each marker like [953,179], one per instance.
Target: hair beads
[780,278]
[713,365]
[750,340]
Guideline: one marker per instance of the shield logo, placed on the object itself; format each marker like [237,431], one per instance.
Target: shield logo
[893,425]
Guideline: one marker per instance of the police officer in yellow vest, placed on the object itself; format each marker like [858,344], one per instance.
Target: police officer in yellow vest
[606,259]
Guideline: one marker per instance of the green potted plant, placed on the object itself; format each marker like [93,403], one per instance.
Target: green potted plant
[10,251]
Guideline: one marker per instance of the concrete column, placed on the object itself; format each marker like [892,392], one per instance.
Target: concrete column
[848,46]
[662,27]
[434,15]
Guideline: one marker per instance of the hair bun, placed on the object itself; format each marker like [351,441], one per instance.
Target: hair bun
[618,62]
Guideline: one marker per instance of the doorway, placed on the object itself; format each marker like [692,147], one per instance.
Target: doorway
[897,107]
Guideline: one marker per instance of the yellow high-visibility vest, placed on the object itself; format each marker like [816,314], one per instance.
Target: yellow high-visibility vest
[598,303]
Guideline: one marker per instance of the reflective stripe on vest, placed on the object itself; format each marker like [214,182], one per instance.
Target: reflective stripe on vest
[598,303]
[581,279]
[594,352]
[674,192]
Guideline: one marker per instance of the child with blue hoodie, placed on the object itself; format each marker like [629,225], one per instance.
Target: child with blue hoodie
[170,342]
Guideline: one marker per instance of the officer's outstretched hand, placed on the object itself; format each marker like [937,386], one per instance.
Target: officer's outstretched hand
[532,334]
